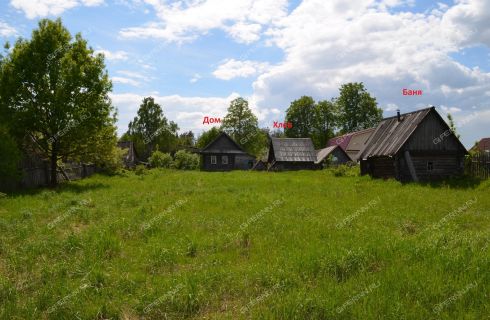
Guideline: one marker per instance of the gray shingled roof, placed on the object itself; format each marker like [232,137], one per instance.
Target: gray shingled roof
[293,149]
[390,135]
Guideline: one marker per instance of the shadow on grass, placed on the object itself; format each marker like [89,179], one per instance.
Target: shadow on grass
[453,183]
[71,187]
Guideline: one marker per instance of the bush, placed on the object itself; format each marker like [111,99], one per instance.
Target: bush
[113,161]
[186,161]
[345,170]
[160,160]
[140,170]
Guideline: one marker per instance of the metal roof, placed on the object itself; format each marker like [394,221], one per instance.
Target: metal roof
[390,135]
[293,149]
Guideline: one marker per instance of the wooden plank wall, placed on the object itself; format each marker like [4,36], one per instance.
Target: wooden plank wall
[478,166]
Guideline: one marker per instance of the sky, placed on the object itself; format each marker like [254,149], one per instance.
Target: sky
[195,56]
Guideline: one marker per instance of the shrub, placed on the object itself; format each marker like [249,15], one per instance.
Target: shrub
[186,161]
[113,161]
[160,160]
[140,170]
[345,170]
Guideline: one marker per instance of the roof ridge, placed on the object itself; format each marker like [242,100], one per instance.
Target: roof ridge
[403,114]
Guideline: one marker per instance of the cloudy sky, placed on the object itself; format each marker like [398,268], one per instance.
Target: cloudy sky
[195,56]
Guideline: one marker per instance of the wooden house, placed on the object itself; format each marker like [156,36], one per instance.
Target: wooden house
[352,143]
[291,154]
[413,146]
[333,155]
[224,154]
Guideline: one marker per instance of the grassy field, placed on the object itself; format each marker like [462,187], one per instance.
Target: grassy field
[241,245]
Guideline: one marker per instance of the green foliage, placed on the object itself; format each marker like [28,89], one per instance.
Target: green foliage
[345,170]
[186,139]
[186,161]
[326,119]
[9,158]
[55,91]
[112,161]
[159,159]
[452,125]
[301,113]
[140,170]
[357,109]
[242,125]
[151,128]
[207,137]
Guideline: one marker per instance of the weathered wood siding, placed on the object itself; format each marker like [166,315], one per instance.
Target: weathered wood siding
[379,167]
[443,166]
[340,157]
[292,166]
[432,135]
[244,162]
[206,164]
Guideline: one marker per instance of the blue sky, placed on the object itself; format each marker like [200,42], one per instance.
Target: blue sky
[195,56]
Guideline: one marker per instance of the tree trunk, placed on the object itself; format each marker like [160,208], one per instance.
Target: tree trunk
[54,165]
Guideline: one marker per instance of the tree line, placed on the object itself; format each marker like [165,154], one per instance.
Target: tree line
[54,102]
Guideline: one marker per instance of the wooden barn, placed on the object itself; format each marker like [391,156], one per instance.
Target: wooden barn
[414,146]
[291,154]
[352,143]
[333,155]
[260,166]
[224,154]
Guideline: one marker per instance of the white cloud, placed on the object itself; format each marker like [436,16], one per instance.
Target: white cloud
[42,8]
[232,68]
[134,75]
[188,112]
[182,21]
[124,80]
[7,30]
[113,55]
[328,43]
[195,78]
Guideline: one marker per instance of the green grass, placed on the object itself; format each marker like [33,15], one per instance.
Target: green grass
[241,245]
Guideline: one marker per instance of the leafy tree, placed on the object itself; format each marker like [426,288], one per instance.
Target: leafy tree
[452,125]
[186,139]
[159,159]
[150,128]
[325,122]
[301,114]
[357,109]
[10,157]
[242,125]
[207,137]
[54,92]
[186,161]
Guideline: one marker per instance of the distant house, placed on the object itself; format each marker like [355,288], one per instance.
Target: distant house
[291,154]
[482,146]
[333,155]
[131,158]
[352,143]
[413,146]
[224,154]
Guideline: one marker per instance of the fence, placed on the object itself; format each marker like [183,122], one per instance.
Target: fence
[36,173]
[478,165]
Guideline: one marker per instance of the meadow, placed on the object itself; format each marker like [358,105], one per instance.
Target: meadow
[170,244]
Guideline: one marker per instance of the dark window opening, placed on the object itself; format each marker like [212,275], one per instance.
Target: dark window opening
[430,166]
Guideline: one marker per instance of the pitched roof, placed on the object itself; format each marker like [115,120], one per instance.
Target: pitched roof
[390,135]
[350,141]
[293,149]
[324,153]
[484,144]
[229,147]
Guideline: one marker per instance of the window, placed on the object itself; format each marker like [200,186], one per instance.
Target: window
[430,166]
[213,160]
[224,159]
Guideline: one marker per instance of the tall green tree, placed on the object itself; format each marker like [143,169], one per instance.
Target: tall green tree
[301,114]
[357,108]
[54,92]
[207,137]
[151,128]
[325,123]
[242,125]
